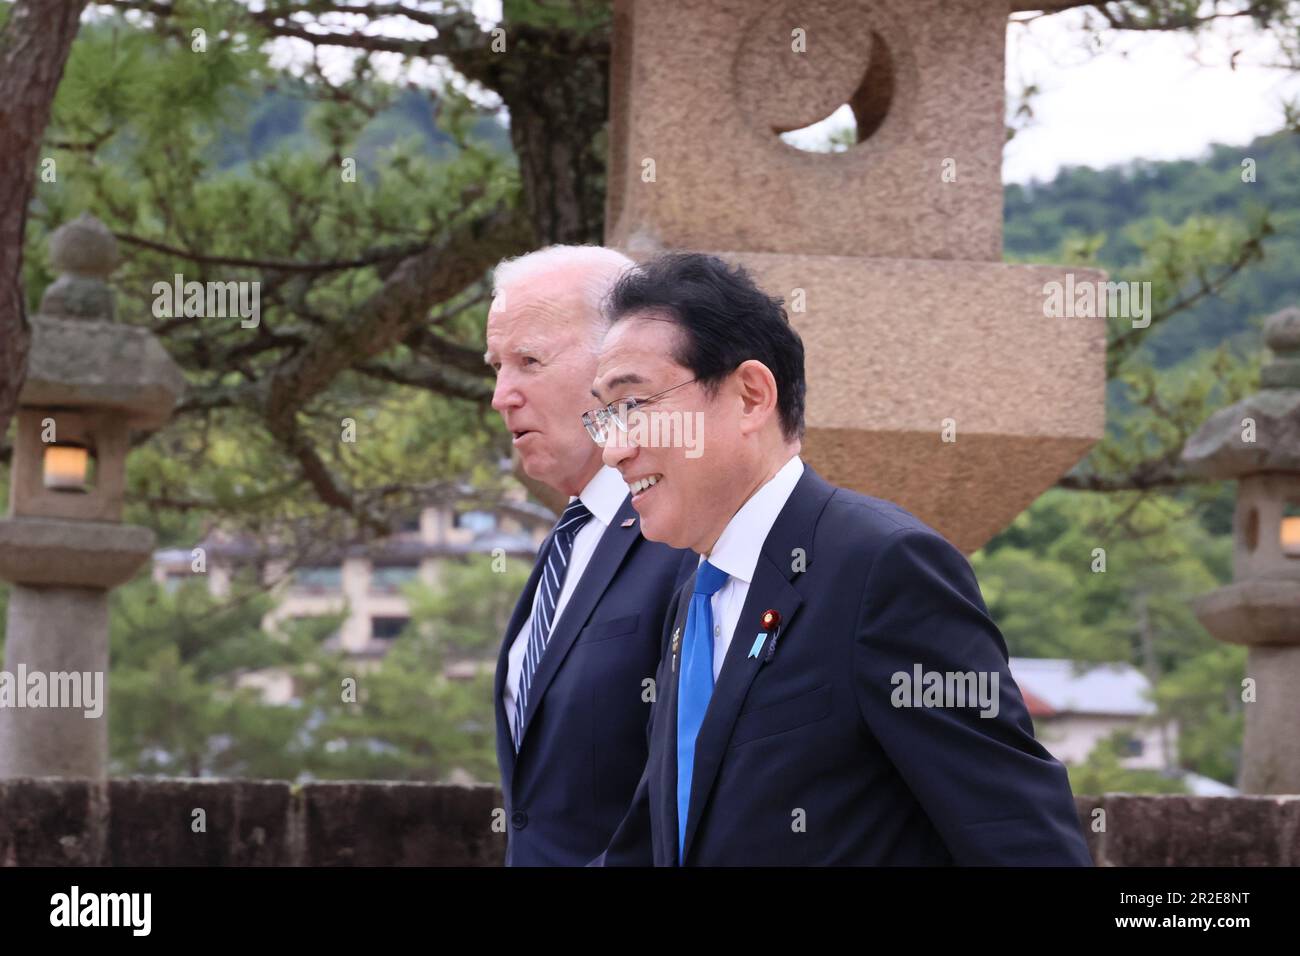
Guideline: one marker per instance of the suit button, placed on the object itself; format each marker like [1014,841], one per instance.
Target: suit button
[519,819]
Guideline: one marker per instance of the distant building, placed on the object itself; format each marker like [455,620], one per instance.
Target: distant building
[365,581]
[1077,704]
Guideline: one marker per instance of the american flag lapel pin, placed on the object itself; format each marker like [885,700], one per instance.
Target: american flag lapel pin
[629,522]
[677,645]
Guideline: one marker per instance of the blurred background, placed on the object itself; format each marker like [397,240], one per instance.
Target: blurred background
[295,550]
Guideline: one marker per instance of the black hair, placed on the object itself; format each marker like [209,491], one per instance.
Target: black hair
[725,319]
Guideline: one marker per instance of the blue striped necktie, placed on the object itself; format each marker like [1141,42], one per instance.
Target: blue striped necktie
[694,686]
[555,563]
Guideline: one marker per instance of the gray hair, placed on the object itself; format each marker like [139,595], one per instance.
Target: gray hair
[599,268]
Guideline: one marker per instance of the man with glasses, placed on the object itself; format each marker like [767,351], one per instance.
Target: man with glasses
[575,674]
[834,690]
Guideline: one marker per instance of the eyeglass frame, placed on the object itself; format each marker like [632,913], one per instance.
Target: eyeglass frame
[592,419]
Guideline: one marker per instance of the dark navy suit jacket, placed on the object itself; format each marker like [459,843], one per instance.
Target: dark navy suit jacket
[803,759]
[584,740]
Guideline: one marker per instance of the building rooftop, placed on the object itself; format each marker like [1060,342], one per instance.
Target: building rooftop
[1082,687]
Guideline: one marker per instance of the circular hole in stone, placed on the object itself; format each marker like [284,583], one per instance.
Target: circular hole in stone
[858,119]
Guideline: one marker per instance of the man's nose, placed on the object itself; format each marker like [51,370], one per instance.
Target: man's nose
[618,448]
[505,394]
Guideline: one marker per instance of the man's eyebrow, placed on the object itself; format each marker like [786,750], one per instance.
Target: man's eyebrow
[628,378]
[524,348]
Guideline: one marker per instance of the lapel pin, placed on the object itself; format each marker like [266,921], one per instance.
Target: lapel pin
[629,522]
[677,644]
[758,644]
[771,621]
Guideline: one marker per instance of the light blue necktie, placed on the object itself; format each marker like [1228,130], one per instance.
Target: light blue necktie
[695,686]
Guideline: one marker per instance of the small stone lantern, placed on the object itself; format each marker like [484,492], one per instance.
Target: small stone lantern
[1257,442]
[90,383]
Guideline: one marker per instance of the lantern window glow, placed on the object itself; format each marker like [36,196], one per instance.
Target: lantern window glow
[1289,534]
[66,467]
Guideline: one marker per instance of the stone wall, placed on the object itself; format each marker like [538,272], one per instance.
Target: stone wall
[144,822]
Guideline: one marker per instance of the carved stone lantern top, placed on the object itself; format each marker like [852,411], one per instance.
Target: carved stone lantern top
[85,254]
[1260,433]
[80,357]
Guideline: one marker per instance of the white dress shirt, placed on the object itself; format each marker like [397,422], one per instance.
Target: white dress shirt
[603,496]
[736,553]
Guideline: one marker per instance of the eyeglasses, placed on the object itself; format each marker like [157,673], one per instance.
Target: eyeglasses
[598,420]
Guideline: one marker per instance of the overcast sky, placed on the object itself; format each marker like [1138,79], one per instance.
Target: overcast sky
[1144,96]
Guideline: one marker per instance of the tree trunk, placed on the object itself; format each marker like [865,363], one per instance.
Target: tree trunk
[34,46]
[556,85]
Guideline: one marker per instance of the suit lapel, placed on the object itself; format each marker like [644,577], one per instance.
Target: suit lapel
[523,608]
[668,805]
[770,588]
[615,543]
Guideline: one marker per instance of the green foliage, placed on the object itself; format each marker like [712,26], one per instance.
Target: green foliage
[411,719]
[423,712]
[221,166]
[176,656]
[1217,249]
[1102,773]
[1203,694]
[1039,580]
[577,16]
[1043,581]
[1146,215]
[173,147]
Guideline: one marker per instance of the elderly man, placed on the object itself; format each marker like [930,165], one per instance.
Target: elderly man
[787,730]
[574,679]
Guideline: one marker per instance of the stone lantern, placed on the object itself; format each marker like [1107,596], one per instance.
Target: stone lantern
[90,383]
[938,377]
[1257,442]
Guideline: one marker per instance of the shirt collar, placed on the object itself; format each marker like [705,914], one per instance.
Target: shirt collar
[737,548]
[604,494]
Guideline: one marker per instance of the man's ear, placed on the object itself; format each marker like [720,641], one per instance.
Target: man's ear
[756,386]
